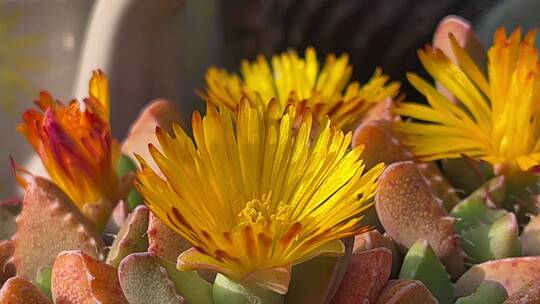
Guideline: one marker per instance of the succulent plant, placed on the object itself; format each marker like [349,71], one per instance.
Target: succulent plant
[271,202]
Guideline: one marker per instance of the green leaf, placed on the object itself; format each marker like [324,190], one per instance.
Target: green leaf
[421,263]
[486,234]
[43,280]
[134,199]
[125,164]
[489,292]
[227,291]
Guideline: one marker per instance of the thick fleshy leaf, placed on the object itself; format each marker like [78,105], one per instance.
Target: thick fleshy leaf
[21,291]
[529,293]
[276,279]
[493,192]
[485,233]
[489,292]
[158,112]
[383,144]
[226,291]
[131,237]
[189,284]
[7,270]
[512,273]
[373,239]
[48,224]
[43,280]
[366,275]
[422,264]
[406,292]
[530,237]
[409,211]
[145,281]
[77,278]
[164,242]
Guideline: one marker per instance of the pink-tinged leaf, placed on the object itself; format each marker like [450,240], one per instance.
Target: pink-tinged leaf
[406,292]
[383,144]
[464,35]
[158,112]
[512,273]
[6,269]
[530,293]
[79,279]
[373,239]
[366,276]
[163,241]
[21,291]
[530,238]
[48,224]
[144,280]
[131,238]
[409,211]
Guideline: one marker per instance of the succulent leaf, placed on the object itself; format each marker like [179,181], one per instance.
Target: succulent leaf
[366,275]
[50,223]
[77,278]
[131,237]
[406,292]
[486,234]
[43,280]
[20,291]
[144,281]
[373,239]
[511,273]
[489,292]
[227,291]
[530,237]
[6,269]
[409,211]
[529,293]
[421,263]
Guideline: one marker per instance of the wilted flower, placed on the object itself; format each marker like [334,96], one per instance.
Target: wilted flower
[75,144]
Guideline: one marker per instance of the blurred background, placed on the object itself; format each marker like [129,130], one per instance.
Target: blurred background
[161,48]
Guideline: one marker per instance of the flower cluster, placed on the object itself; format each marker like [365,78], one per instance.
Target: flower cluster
[270,197]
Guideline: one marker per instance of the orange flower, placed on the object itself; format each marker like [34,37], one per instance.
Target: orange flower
[75,144]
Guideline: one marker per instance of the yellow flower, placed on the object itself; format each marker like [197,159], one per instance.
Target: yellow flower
[497,120]
[75,145]
[292,79]
[253,196]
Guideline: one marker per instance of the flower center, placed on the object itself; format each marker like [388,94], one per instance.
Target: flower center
[259,210]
